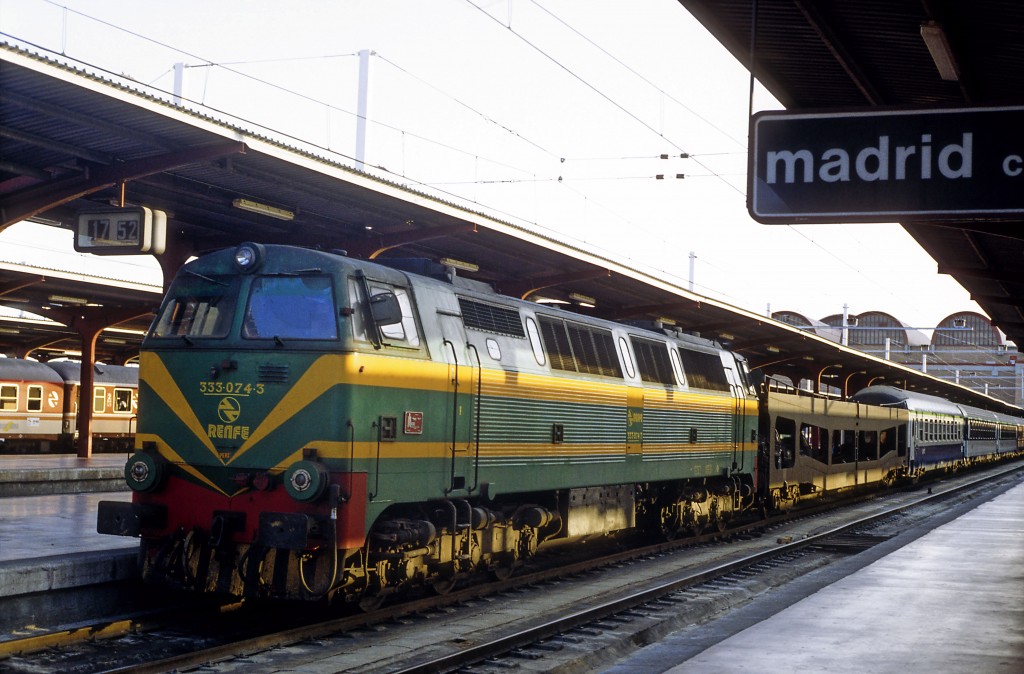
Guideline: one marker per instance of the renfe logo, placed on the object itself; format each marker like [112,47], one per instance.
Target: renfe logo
[886,165]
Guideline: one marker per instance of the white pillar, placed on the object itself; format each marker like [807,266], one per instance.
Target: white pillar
[361,106]
[179,81]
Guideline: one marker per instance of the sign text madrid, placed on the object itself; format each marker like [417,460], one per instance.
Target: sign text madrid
[897,165]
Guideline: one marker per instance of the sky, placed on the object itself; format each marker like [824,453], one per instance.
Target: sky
[551,114]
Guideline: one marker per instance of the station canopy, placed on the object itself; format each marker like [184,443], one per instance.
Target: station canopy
[882,54]
[70,140]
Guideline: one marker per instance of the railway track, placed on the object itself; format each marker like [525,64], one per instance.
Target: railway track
[581,612]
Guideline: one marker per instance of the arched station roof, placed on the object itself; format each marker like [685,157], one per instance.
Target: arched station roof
[872,328]
[820,328]
[967,329]
[71,139]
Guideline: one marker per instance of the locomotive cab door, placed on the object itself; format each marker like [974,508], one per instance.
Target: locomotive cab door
[739,416]
[464,380]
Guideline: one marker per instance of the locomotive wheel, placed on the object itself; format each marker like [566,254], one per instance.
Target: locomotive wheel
[503,572]
[443,586]
[369,603]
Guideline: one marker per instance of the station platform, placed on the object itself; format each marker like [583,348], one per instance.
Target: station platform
[49,550]
[35,474]
[950,601]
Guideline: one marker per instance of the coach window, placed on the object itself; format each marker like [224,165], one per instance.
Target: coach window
[123,400]
[842,446]
[34,400]
[99,399]
[814,442]
[867,446]
[785,442]
[8,397]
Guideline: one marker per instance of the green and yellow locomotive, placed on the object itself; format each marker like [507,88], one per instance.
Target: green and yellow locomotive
[318,426]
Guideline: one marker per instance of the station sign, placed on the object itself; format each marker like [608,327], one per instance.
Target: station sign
[122,231]
[886,166]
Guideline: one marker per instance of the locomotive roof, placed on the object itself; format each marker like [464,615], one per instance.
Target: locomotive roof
[17,369]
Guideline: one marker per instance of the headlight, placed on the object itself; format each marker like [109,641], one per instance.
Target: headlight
[144,472]
[248,256]
[306,480]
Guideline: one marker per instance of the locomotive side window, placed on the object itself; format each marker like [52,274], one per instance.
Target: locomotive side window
[34,400]
[653,362]
[291,307]
[8,397]
[575,347]
[704,370]
[594,349]
[99,399]
[403,333]
[627,360]
[538,348]
[198,307]
[556,344]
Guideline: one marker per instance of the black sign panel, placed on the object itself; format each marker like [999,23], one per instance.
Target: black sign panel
[897,165]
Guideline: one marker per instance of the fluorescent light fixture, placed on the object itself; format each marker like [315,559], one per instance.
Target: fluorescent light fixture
[726,336]
[64,299]
[772,349]
[583,300]
[9,331]
[548,300]
[113,340]
[263,209]
[942,54]
[459,264]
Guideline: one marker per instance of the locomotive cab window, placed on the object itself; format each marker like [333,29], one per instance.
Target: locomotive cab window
[291,307]
[198,306]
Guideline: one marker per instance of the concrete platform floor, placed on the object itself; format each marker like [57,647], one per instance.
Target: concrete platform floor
[950,601]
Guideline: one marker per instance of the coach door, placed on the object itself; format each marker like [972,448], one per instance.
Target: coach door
[463,390]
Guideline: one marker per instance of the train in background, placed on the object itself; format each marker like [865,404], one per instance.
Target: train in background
[318,427]
[39,406]
[882,435]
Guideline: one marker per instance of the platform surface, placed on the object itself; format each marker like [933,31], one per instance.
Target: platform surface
[950,601]
[32,527]
[36,474]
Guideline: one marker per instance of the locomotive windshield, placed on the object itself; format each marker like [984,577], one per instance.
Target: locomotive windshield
[198,306]
[291,307]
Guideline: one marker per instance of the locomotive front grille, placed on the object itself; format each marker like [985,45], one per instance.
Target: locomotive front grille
[273,374]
